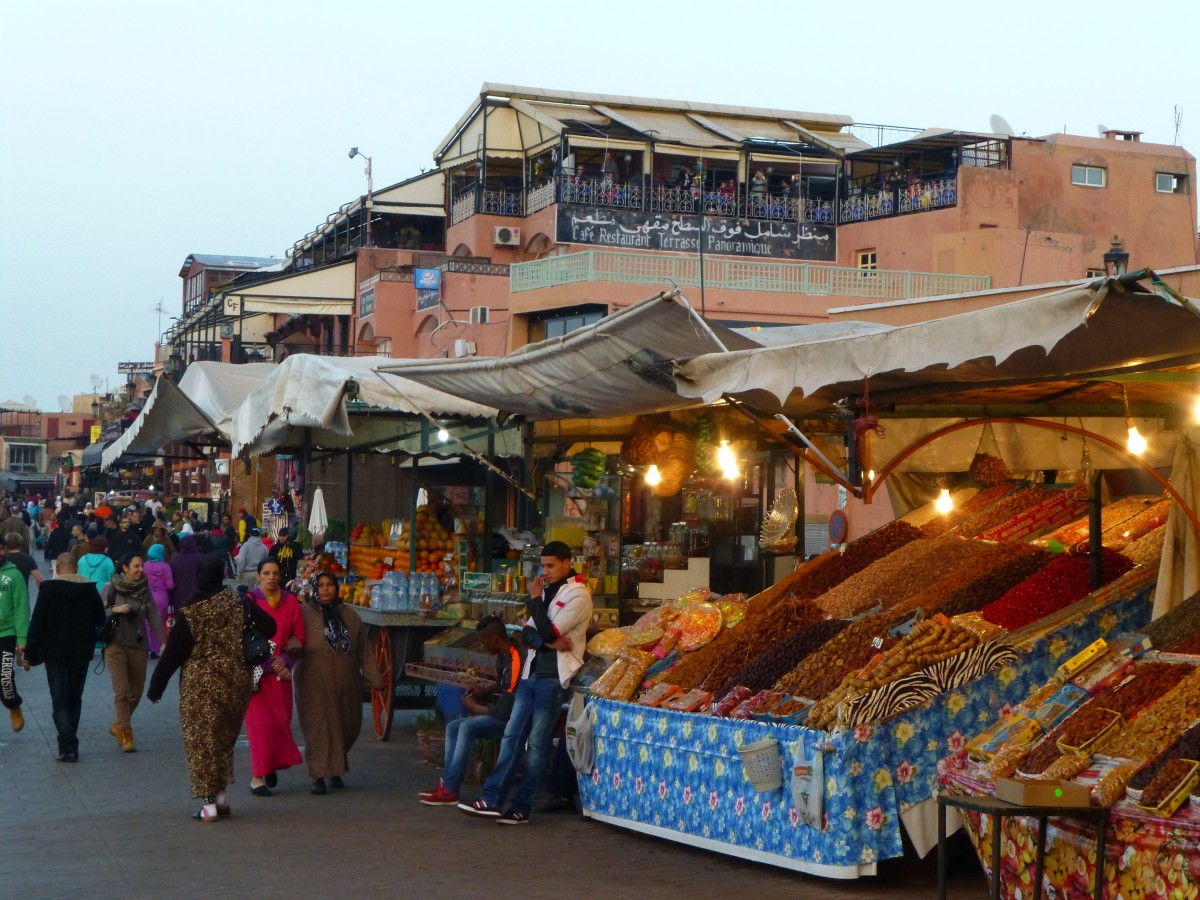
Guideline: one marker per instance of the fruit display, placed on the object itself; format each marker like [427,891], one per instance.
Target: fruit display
[1187,746]
[1161,724]
[988,470]
[1008,507]
[782,656]
[587,467]
[372,556]
[850,649]
[1152,517]
[1061,582]
[1112,516]
[1013,563]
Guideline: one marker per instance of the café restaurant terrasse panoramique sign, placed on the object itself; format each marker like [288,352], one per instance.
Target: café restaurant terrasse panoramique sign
[632,229]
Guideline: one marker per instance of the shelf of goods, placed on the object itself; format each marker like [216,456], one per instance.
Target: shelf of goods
[455,657]
[1126,727]
[880,659]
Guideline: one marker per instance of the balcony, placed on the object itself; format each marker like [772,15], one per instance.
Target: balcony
[902,197]
[737,275]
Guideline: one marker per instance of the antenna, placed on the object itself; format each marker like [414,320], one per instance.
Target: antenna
[1178,121]
[1000,125]
[63,402]
[160,309]
[1102,130]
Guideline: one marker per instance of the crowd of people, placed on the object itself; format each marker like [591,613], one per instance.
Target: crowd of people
[170,592]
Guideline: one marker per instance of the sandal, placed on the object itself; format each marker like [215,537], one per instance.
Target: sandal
[207,813]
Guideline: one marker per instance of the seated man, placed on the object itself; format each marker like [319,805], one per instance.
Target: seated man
[489,707]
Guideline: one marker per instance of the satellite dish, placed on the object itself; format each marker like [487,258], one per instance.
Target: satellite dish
[30,401]
[1102,130]
[96,382]
[63,402]
[1000,125]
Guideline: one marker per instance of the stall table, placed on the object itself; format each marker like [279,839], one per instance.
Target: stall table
[397,639]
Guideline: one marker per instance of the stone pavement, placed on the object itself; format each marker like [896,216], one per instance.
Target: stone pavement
[118,825]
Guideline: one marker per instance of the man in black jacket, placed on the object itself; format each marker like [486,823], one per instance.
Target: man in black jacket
[62,634]
[126,539]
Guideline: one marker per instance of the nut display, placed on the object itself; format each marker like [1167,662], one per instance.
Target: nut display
[782,656]
[1017,562]
[1176,625]
[1169,778]
[960,514]
[928,512]
[849,650]
[1158,726]
[753,635]
[988,469]
[1009,507]
[1186,747]
[1147,550]
[1132,529]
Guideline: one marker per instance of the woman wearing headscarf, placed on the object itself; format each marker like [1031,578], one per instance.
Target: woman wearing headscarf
[127,598]
[269,717]
[159,534]
[214,682]
[184,567]
[95,564]
[329,677]
[161,580]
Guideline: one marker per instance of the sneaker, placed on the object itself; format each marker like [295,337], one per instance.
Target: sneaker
[440,797]
[18,718]
[433,790]
[480,808]
[513,817]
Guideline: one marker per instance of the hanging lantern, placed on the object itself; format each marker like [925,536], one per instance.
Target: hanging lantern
[944,503]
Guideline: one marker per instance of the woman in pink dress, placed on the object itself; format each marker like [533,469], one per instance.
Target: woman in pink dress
[269,718]
[160,580]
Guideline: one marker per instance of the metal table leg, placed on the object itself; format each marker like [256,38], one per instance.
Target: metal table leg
[997,827]
[941,883]
[1101,849]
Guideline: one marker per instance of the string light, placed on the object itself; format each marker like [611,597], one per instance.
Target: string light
[944,503]
[653,476]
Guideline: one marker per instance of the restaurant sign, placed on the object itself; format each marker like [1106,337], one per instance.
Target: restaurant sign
[633,229]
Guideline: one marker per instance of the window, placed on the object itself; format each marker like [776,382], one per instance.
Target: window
[1170,183]
[1095,273]
[1088,176]
[22,458]
[559,326]
[867,259]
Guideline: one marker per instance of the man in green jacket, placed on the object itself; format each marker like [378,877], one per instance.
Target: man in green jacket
[14,629]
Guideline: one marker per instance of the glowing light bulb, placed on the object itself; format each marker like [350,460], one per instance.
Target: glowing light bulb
[1136,443]
[944,504]
[871,475]
[653,476]
[727,461]
[443,434]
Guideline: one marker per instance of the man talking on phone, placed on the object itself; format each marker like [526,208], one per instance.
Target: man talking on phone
[560,608]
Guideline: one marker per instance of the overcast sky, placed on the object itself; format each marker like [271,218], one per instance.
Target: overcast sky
[135,133]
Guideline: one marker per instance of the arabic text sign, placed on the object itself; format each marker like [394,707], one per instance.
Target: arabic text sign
[625,229]
[135,368]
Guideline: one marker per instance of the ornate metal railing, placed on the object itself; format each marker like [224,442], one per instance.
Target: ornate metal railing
[739,275]
[600,192]
[462,207]
[540,197]
[932,193]
[471,267]
[502,202]
[913,196]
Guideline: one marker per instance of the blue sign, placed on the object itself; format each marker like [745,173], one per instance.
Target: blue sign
[427,279]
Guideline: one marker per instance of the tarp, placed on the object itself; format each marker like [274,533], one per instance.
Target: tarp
[1110,327]
[1179,570]
[619,366]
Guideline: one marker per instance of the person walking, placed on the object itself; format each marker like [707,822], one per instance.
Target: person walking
[126,539]
[14,629]
[285,553]
[17,553]
[160,534]
[336,658]
[205,646]
[62,635]
[161,581]
[127,596]
[95,564]
[185,566]
[250,557]
[269,716]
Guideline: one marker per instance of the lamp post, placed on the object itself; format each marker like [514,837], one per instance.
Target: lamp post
[1116,260]
[367,171]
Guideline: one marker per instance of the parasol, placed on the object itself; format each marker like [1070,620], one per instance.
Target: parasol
[317,520]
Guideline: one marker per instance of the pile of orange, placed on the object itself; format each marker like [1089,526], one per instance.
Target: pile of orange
[433,544]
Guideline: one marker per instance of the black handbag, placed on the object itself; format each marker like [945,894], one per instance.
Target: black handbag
[106,632]
[254,644]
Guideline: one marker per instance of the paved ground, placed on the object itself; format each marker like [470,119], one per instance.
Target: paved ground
[118,825]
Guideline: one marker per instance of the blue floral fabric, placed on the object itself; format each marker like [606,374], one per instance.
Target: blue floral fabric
[681,771]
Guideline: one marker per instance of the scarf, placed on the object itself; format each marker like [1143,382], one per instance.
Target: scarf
[337,635]
[274,604]
[138,591]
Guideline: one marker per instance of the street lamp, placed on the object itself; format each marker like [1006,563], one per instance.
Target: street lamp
[367,171]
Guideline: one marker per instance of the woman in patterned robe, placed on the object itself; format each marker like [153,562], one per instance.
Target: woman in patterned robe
[337,656]
[214,684]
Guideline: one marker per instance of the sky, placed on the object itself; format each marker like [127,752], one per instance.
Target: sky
[134,133]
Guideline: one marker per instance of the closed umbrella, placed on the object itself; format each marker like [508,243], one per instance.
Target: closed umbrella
[318,521]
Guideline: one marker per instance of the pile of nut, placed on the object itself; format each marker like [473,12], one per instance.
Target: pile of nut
[1010,507]
[782,656]
[848,651]
[988,469]
[1147,550]
[1176,625]
[1162,723]
[1016,562]
[898,575]
[960,514]
[1187,747]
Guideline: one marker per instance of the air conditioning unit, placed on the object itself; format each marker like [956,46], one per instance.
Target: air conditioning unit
[506,236]
[480,315]
[464,348]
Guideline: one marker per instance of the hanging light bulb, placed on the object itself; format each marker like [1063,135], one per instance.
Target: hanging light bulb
[944,503]
[443,434]
[727,461]
[653,476]
[1136,443]
[871,476]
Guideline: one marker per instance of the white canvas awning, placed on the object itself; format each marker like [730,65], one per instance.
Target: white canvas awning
[1109,327]
[618,366]
[328,290]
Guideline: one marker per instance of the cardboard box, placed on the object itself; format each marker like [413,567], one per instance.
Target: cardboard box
[1043,793]
[1082,660]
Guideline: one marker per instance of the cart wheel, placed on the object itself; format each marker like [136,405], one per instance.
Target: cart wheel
[383,702]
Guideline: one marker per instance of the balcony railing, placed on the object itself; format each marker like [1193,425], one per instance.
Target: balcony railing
[912,196]
[738,275]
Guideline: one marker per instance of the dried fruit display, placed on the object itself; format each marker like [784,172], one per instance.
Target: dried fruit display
[1086,725]
[928,642]
[754,634]
[1111,786]
[975,560]
[1147,550]
[988,469]
[1186,747]
[1066,767]
[1018,562]
[1009,507]
[783,656]
[1110,517]
[1176,625]
[1189,645]
[1154,516]
[1061,582]
[850,649]
[1169,779]
[1006,762]
[927,513]
[1159,725]
[960,514]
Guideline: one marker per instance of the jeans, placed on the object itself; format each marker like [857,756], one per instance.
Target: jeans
[66,680]
[537,705]
[461,735]
[8,667]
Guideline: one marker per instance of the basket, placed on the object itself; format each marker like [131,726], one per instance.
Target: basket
[762,765]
